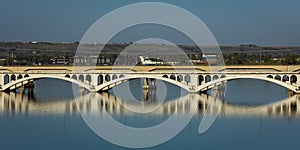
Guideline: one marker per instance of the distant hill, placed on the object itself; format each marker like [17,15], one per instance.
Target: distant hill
[54,49]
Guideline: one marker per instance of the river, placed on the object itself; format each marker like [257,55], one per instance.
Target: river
[49,118]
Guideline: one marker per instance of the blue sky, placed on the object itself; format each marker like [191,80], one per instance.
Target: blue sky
[233,22]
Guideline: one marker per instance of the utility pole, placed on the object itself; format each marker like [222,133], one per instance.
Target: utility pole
[259,49]
[260,54]
[7,53]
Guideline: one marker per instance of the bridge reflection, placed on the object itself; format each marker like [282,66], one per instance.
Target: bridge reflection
[24,104]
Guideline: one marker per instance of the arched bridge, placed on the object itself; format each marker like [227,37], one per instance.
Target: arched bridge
[101,79]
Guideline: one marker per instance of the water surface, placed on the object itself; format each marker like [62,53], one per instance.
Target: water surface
[50,119]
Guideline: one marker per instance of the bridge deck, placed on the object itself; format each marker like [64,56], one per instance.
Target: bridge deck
[192,79]
[253,68]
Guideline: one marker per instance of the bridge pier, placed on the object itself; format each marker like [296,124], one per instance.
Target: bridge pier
[149,83]
[290,93]
[149,95]
[30,92]
[149,90]
[21,90]
[30,84]
[80,91]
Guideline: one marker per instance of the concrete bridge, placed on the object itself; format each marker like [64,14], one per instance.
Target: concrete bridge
[193,79]
[95,103]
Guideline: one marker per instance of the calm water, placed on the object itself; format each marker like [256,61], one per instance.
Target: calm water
[50,120]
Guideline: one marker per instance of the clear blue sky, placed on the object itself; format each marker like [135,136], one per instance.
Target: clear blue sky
[274,22]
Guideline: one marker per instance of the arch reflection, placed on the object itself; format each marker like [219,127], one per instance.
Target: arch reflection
[24,104]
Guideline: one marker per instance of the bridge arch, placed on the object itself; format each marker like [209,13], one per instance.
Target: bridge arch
[285,78]
[107,78]
[81,78]
[180,78]
[16,82]
[88,78]
[74,76]
[173,77]
[13,77]
[112,83]
[20,76]
[207,78]
[114,77]
[121,76]
[100,79]
[277,77]
[293,79]
[215,77]
[187,78]
[67,76]
[214,83]
[6,78]
[200,79]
